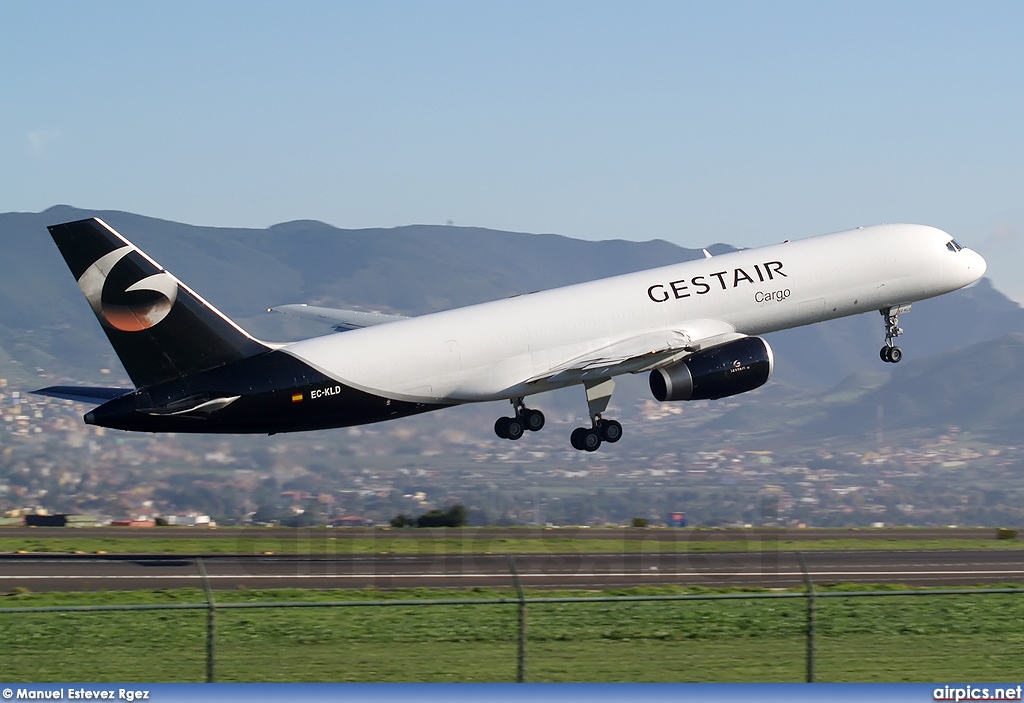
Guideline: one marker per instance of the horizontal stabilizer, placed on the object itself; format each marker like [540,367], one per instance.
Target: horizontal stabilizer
[340,320]
[84,394]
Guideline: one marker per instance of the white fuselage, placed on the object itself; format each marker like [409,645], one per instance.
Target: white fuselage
[500,349]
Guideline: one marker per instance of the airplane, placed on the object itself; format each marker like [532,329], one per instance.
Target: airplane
[692,327]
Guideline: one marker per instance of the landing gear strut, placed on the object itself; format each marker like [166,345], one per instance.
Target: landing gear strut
[599,393]
[890,353]
[523,420]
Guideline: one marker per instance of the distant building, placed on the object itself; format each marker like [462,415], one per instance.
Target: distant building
[351,521]
[46,520]
[134,522]
[190,520]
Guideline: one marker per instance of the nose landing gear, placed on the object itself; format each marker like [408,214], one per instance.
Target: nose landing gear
[890,353]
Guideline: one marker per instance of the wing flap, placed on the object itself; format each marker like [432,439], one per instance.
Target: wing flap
[641,353]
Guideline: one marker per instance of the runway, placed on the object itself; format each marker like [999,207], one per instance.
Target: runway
[770,569]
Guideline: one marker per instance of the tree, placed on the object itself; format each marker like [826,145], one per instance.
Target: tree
[457,515]
[454,516]
[267,513]
[402,520]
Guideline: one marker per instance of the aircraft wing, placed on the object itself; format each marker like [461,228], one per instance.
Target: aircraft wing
[642,353]
[84,394]
[340,320]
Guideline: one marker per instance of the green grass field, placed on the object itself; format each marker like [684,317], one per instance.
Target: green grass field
[897,638]
[462,542]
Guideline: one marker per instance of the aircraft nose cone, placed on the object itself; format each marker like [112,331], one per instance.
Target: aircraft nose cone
[981,264]
[967,267]
[977,265]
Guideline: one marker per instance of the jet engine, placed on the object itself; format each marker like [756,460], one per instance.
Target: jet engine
[728,369]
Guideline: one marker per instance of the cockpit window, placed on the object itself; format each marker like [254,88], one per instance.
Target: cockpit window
[954,245]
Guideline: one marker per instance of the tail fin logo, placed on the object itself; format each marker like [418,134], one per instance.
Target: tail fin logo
[139,306]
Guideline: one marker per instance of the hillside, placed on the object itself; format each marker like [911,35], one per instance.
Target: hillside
[410,270]
[849,439]
[46,328]
[44,322]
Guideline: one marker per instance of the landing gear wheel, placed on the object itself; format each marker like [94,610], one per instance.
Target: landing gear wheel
[523,420]
[509,427]
[533,420]
[591,440]
[501,427]
[611,430]
[891,355]
[514,429]
[585,440]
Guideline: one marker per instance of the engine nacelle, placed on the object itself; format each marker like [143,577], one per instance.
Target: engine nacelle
[718,372]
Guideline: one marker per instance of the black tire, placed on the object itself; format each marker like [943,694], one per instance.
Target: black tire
[533,420]
[611,431]
[501,427]
[895,354]
[591,440]
[515,428]
[883,353]
[576,438]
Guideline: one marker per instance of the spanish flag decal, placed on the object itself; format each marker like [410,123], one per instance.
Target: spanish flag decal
[296,397]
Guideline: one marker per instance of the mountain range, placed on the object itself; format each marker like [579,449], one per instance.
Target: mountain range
[963,351]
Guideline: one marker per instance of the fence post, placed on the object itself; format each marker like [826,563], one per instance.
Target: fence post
[211,625]
[810,617]
[521,659]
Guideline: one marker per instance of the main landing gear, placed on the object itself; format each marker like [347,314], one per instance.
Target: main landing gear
[524,419]
[890,353]
[589,439]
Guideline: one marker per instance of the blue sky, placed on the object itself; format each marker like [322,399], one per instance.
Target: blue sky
[695,122]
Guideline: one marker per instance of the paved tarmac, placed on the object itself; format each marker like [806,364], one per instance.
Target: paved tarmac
[769,568]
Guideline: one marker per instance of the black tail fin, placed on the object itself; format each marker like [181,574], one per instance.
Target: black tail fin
[159,327]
